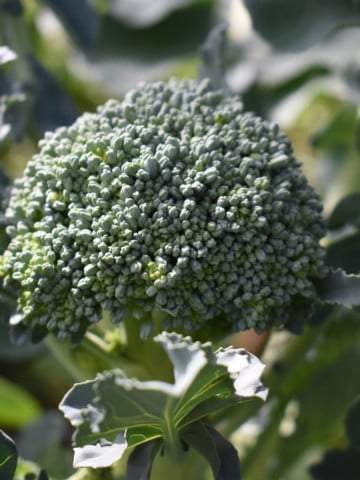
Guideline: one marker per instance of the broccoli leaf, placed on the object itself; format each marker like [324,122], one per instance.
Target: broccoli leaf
[344,253]
[353,424]
[61,110]
[17,407]
[79,18]
[113,411]
[219,452]
[297,25]
[346,211]
[342,464]
[8,457]
[338,287]
[140,460]
[338,464]
[12,7]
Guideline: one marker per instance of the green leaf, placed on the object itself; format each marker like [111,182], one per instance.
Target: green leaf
[8,457]
[140,460]
[102,454]
[340,132]
[43,441]
[17,407]
[353,425]
[295,25]
[79,18]
[50,115]
[347,211]
[218,452]
[12,7]
[338,287]
[113,411]
[345,253]
[338,464]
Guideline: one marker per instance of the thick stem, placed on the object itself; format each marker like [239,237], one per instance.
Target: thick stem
[173,445]
[192,467]
[147,352]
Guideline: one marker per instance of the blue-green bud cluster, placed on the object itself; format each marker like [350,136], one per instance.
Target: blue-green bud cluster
[173,200]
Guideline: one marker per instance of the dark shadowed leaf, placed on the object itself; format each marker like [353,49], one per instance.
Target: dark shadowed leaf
[140,460]
[44,442]
[338,287]
[294,25]
[13,7]
[126,56]
[353,425]
[218,452]
[8,457]
[346,211]
[344,254]
[43,475]
[60,110]
[336,465]
[79,18]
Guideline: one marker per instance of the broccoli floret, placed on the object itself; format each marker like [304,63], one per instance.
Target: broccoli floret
[173,202]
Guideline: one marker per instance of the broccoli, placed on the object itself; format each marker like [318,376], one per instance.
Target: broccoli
[172,206]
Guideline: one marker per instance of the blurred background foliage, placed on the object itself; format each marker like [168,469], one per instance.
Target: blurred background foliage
[296,63]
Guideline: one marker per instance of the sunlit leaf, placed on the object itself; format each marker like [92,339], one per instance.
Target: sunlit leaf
[113,411]
[6,55]
[102,454]
[142,13]
[341,130]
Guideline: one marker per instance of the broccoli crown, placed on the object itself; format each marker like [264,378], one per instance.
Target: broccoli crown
[173,200]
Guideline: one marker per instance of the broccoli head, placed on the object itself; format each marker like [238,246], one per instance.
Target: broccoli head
[172,203]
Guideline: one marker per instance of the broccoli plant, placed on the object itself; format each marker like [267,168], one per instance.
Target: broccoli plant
[174,209]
